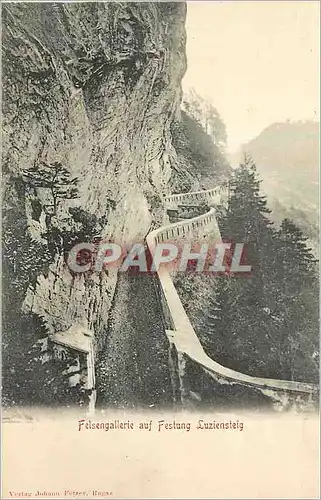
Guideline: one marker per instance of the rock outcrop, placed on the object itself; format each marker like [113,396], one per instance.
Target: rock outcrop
[89,94]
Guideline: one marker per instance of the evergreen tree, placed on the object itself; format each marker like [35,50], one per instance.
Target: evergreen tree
[267,323]
[56,179]
[296,307]
[203,111]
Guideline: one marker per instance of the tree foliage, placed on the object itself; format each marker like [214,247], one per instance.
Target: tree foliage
[200,160]
[203,111]
[56,179]
[267,323]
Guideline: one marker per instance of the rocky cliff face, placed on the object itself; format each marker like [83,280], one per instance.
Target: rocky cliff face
[89,94]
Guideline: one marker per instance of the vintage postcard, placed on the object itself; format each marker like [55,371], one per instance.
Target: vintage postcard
[160,244]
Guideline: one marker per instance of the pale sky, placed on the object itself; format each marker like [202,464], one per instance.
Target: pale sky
[258,62]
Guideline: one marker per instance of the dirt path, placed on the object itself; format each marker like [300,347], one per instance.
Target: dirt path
[133,371]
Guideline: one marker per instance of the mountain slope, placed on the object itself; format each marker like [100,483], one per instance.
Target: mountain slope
[200,164]
[286,156]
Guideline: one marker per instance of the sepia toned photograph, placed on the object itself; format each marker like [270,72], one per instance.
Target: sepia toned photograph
[160,248]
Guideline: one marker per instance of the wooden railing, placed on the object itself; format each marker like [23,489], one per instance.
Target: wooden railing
[178,326]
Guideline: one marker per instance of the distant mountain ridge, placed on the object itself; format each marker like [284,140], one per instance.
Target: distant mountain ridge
[287,160]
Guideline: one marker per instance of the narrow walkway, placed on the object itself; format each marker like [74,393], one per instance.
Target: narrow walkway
[133,369]
[183,334]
